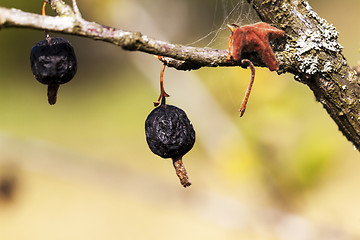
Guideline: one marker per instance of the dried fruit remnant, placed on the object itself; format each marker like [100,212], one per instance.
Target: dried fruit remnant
[254,38]
[53,62]
[170,134]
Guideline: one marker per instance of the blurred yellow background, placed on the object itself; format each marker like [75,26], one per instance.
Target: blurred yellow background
[81,169]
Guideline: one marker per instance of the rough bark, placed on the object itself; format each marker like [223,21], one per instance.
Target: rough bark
[310,51]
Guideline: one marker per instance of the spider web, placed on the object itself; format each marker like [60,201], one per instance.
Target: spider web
[226,12]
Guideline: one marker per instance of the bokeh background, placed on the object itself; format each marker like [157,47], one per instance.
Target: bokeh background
[82,170]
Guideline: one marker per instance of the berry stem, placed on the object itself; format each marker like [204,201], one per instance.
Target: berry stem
[248,90]
[162,89]
[43,13]
[52,93]
[43,8]
[181,172]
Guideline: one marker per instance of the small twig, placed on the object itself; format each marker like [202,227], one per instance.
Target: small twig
[61,8]
[163,94]
[248,90]
[181,172]
[76,9]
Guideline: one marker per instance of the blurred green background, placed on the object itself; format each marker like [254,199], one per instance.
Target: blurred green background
[81,169]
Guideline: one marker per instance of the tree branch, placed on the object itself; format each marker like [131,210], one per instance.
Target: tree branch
[178,56]
[314,56]
[311,51]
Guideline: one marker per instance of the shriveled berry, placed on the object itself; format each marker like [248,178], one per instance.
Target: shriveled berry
[53,62]
[170,134]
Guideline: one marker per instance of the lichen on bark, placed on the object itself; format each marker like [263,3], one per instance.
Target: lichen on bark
[313,54]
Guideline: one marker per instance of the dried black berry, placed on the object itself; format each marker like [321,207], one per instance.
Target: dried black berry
[53,62]
[170,134]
